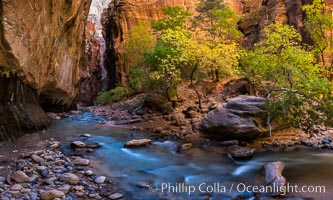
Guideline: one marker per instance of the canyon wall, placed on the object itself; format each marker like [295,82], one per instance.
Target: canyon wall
[42,61]
[255,15]
[47,38]
[118,19]
[91,83]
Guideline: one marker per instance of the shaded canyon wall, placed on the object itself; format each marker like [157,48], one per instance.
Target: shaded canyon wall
[47,38]
[41,61]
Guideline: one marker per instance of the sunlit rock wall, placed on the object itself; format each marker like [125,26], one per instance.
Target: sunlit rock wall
[119,18]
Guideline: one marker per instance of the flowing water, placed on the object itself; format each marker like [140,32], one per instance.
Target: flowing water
[203,169]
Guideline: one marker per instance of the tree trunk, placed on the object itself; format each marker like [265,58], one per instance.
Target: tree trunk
[193,86]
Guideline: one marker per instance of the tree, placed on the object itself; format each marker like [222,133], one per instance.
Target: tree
[219,26]
[300,94]
[319,25]
[206,9]
[176,18]
[163,60]
[140,40]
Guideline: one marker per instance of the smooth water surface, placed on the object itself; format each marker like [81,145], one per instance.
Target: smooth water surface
[167,170]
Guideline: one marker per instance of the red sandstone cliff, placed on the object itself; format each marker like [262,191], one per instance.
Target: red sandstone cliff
[255,15]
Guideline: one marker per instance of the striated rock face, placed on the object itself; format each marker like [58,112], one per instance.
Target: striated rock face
[257,14]
[47,38]
[93,73]
[121,16]
[41,54]
[19,108]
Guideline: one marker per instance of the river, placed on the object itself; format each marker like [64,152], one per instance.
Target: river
[205,170]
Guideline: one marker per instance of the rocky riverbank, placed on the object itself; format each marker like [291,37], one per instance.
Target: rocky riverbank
[38,169]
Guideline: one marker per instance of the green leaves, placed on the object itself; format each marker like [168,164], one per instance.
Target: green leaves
[176,18]
[139,40]
[299,88]
[319,25]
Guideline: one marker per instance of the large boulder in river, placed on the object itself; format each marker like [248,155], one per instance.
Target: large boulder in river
[271,175]
[241,118]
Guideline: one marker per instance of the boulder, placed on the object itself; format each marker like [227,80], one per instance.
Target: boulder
[178,119]
[69,178]
[100,179]
[138,143]
[241,118]
[156,101]
[271,175]
[37,159]
[240,153]
[78,144]
[185,147]
[81,161]
[52,194]
[20,177]
[116,196]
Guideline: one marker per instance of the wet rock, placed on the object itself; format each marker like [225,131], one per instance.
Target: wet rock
[69,178]
[37,158]
[238,152]
[309,143]
[88,173]
[241,118]
[75,112]
[2,179]
[85,135]
[229,143]
[42,170]
[20,177]
[326,140]
[116,196]
[78,188]
[65,188]
[271,175]
[33,195]
[78,144]
[79,193]
[144,185]
[55,145]
[81,161]
[185,147]
[48,182]
[25,190]
[93,145]
[51,194]
[69,164]
[100,179]
[138,143]
[16,187]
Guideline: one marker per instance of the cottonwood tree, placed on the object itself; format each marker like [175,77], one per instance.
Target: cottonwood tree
[299,95]
[218,23]
[319,25]
[140,39]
